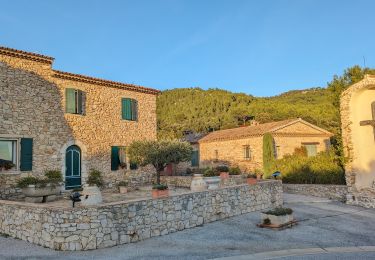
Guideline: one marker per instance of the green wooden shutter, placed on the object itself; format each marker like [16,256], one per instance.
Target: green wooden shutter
[26,154]
[115,159]
[134,110]
[80,102]
[70,100]
[126,109]
[195,159]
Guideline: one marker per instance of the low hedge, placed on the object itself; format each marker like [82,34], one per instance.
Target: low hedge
[320,169]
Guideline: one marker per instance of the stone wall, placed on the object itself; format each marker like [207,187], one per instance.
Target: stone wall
[334,192]
[8,189]
[125,222]
[32,105]
[177,181]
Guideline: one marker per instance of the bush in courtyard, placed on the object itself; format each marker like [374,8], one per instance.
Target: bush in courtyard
[159,154]
[280,211]
[211,172]
[268,155]
[222,168]
[54,176]
[320,169]
[234,171]
[95,178]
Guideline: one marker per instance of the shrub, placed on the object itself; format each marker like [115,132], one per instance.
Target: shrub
[234,171]
[210,172]
[54,176]
[320,169]
[268,155]
[123,184]
[160,186]
[7,165]
[222,168]
[251,175]
[189,171]
[280,211]
[95,178]
[26,181]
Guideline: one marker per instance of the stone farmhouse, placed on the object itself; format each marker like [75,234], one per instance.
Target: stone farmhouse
[51,119]
[243,146]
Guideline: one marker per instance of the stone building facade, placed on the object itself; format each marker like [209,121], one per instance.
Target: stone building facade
[243,146]
[358,123]
[57,120]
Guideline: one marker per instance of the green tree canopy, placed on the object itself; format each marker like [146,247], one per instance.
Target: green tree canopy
[159,153]
[268,155]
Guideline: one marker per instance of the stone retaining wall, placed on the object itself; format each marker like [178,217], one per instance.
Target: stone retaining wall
[118,223]
[334,192]
[177,181]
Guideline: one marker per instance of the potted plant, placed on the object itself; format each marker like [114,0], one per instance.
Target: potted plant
[235,174]
[224,171]
[123,186]
[198,183]
[251,178]
[277,217]
[91,194]
[40,187]
[258,173]
[211,177]
[160,190]
[6,165]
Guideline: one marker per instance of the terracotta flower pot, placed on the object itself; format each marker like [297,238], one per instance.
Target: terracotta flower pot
[224,175]
[123,189]
[251,181]
[159,193]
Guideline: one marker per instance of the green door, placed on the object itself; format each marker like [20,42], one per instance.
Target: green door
[195,159]
[73,167]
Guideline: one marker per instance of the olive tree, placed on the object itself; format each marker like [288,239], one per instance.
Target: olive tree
[159,154]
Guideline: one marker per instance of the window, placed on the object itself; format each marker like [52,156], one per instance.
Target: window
[8,151]
[122,156]
[129,109]
[247,152]
[74,101]
[119,159]
[311,148]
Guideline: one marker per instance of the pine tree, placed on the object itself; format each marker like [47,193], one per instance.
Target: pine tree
[268,155]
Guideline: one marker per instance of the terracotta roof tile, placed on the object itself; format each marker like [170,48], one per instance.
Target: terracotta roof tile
[26,55]
[103,82]
[255,130]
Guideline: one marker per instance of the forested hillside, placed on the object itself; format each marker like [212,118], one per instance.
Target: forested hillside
[204,110]
[201,111]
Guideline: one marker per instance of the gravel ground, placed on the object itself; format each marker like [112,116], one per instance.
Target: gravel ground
[322,224]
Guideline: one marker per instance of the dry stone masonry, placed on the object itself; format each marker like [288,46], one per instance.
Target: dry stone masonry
[118,223]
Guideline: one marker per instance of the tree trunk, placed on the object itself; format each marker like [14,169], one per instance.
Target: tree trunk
[157,176]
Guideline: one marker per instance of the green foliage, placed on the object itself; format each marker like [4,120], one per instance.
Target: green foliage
[234,171]
[54,175]
[29,180]
[320,169]
[123,184]
[280,211]
[51,177]
[251,175]
[222,168]
[95,178]
[211,172]
[268,155]
[159,153]
[160,186]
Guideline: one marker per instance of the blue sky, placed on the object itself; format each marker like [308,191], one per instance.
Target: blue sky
[257,47]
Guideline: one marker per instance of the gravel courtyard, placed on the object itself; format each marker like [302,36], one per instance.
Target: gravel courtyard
[324,225]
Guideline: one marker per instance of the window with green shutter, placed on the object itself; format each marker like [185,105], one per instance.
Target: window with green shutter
[129,109]
[74,101]
[115,158]
[26,154]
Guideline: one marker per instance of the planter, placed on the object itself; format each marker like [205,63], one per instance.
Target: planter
[123,189]
[159,193]
[251,181]
[236,179]
[198,183]
[277,220]
[212,182]
[224,175]
[91,195]
[32,191]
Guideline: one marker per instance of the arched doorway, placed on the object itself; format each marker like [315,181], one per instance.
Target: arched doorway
[72,167]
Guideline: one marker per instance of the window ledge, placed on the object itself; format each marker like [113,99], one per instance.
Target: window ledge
[10,172]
